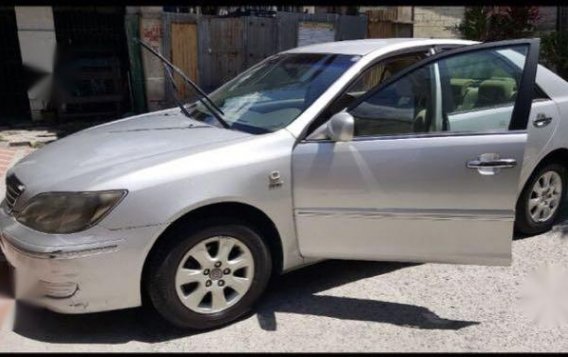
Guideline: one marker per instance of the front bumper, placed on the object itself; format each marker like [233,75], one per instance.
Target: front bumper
[90,271]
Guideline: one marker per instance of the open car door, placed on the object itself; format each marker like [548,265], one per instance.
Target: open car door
[432,172]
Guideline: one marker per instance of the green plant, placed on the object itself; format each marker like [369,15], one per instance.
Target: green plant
[494,23]
[554,52]
[475,23]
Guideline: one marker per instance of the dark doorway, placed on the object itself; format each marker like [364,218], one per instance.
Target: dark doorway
[92,67]
[14,104]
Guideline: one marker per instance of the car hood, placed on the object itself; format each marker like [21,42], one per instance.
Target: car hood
[130,143]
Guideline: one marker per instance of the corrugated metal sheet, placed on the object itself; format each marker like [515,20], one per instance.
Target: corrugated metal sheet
[222,51]
[229,45]
[351,27]
[261,38]
[287,28]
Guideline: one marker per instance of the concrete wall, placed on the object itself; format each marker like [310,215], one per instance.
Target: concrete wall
[151,32]
[433,21]
[36,34]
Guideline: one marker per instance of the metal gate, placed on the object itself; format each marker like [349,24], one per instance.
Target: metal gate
[261,39]
[14,104]
[221,50]
[227,46]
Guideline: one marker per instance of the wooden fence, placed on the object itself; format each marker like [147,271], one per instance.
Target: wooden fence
[392,22]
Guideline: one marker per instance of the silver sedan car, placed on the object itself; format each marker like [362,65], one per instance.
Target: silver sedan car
[415,150]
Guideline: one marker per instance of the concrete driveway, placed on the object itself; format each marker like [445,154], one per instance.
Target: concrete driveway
[341,306]
[345,306]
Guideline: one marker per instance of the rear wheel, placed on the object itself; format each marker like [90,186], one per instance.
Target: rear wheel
[541,200]
[206,277]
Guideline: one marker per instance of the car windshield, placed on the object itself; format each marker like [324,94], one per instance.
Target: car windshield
[271,95]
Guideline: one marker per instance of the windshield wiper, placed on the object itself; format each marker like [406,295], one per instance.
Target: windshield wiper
[175,88]
[204,98]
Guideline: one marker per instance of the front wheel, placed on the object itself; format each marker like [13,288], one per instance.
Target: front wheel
[206,277]
[541,200]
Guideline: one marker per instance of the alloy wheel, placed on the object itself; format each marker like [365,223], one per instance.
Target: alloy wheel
[545,197]
[214,274]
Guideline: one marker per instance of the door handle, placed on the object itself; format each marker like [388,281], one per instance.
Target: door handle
[492,164]
[541,120]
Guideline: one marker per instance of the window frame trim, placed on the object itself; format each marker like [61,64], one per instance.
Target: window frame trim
[440,134]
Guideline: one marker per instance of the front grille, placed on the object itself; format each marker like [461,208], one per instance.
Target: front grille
[14,189]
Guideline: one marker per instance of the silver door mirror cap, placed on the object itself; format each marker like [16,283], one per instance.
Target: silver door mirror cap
[341,127]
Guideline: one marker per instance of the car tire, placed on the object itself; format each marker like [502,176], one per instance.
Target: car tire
[167,294]
[527,219]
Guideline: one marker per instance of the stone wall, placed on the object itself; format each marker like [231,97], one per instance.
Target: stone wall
[433,21]
[151,32]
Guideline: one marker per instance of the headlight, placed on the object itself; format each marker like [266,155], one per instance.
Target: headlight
[68,212]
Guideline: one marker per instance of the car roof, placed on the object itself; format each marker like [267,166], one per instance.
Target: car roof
[366,46]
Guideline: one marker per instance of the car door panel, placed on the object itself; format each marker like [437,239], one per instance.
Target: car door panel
[419,197]
[389,200]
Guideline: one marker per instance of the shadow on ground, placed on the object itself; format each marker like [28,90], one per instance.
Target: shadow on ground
[291,293]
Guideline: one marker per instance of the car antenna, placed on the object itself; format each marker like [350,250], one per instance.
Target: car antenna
[204,98]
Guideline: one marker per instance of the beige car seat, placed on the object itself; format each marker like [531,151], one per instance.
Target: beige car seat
[495,91]
[491,92]
[459,89]
[469,99]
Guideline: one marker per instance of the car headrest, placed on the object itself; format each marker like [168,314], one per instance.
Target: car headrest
[469,99]
[495,91]
[459,86]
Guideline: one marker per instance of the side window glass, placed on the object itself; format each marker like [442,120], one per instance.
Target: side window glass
[480,89]
[379,72]
[368,80]
[404,106]
[473,91]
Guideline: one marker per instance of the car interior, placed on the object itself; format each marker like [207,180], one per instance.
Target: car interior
[468,94]
[483,80]
[474,82]
[371,78]
[405,106]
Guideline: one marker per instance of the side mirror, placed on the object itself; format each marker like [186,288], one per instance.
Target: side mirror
[341,127]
